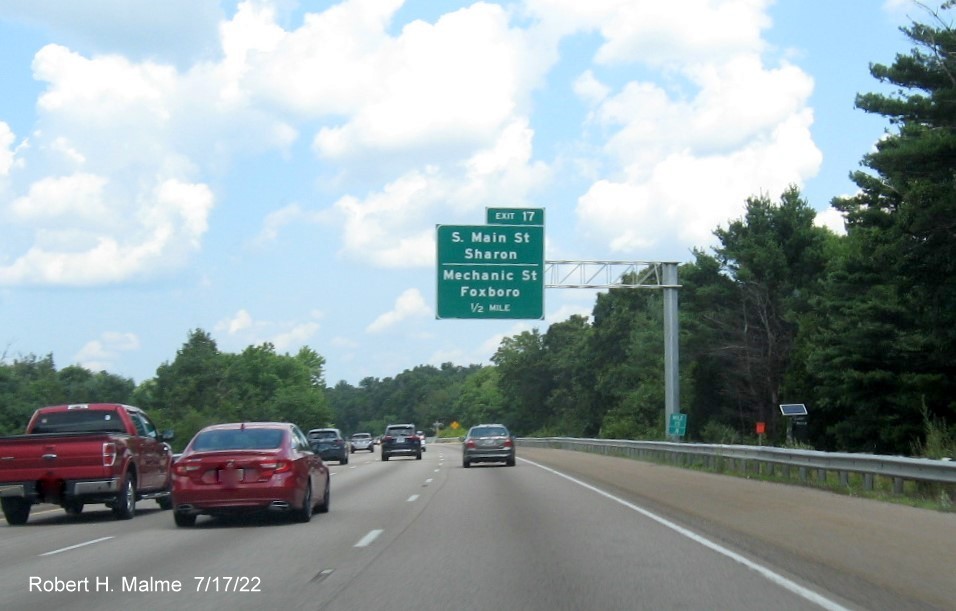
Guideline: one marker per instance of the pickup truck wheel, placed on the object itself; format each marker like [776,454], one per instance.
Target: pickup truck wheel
[15,510]
[73,508]
[305,514]
[124,507]
[165,502]
[184,519]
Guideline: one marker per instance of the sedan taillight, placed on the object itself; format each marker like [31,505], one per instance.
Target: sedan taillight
[508,443]
[269,468]
[470,443]
[185,468]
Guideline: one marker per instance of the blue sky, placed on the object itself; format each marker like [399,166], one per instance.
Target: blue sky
[273,171]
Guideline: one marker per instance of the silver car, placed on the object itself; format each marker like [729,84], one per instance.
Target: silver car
[362,441]
[488,443]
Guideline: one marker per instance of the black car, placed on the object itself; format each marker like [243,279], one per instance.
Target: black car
[401,440]
[329,444]
[488,443]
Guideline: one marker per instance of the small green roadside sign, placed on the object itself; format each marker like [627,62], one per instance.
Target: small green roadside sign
[677,425]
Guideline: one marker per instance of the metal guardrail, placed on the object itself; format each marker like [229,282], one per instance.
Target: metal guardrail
[765,460]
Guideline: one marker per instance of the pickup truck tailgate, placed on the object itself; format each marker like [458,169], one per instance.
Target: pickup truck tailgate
[71,456]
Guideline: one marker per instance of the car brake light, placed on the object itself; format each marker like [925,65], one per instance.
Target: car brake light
[508,443]
[270,468]
[182,468]
[109,454]
[387,438]
[470,443]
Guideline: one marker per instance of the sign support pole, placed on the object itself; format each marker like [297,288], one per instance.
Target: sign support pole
[671,368]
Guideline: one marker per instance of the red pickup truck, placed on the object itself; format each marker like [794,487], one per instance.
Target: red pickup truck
[72,455]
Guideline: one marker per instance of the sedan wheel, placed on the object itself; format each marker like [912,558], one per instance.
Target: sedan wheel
[305,513]
[327,502]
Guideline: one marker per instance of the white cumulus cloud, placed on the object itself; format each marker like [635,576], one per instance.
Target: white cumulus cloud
[410,304]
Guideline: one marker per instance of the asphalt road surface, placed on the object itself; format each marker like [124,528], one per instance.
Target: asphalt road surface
[560,530]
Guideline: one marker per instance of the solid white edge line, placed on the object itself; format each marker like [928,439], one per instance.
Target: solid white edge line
[368,538]
[771,576]
[66,549]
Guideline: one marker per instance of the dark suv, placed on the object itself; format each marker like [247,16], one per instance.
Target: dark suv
[401,439]
[329,444]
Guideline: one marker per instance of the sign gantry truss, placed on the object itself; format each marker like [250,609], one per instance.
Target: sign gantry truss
[638,275]
[606,275]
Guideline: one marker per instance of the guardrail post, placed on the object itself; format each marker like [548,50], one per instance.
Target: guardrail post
[868,481]
[803,474]
[897,485]
[844,479]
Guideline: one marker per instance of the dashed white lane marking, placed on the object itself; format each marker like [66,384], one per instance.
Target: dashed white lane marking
[412,498]
[368,538]
[66,549]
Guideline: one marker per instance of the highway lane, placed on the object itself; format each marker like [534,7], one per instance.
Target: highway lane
[285,562]
[429,534]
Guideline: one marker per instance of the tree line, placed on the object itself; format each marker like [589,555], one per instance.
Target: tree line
[859,327]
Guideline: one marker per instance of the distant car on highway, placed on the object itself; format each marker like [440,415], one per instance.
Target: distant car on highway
[361,441]
[249,467]
[330,445]
[488,443]
[401,439]
[421,435]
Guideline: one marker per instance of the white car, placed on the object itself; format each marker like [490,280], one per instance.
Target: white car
[361,441]
[421,436]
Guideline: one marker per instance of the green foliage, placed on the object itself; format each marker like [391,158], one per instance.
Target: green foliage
[940,441]
[31,382]
[203,386]
[715,432]
[423,395]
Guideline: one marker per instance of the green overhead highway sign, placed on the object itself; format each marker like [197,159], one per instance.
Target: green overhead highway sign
[490,271]
[515,216]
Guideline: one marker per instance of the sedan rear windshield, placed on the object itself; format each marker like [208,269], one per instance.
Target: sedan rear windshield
[361,436]
[236,439]
[489,431]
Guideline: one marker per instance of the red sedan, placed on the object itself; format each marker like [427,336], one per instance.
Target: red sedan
[249,466]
